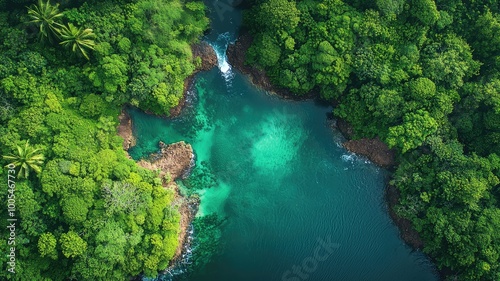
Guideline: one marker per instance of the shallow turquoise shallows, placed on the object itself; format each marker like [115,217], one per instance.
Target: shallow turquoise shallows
[299,206]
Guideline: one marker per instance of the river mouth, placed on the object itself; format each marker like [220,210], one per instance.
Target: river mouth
[298,206]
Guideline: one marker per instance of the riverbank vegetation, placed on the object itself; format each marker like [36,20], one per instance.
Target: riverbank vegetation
[423,75]
[84,210]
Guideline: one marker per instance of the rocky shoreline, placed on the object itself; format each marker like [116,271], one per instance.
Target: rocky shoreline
[173,160]
[208,60]
[374,149]
[176,160]
[236,57]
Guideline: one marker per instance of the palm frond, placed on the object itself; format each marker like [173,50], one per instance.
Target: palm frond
[47,18]
[26,159]
[77,39]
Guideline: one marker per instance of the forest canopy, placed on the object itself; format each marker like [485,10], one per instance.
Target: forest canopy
[85,210]
[423,75]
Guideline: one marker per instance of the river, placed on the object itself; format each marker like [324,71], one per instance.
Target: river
[298,206]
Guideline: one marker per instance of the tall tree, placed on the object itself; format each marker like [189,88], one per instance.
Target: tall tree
[26,158]
[47,18]
[77,39]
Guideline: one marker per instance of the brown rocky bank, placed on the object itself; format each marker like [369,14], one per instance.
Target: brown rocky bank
[174,161]
[207,55]
[236,57]
[208,59]
[374,149]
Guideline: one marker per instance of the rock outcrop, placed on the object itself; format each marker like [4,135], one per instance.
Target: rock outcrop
[374,149]
[175,159]
[207,55]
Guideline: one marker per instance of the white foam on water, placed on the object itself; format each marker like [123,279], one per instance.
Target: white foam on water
[348,157]
[220,47]
[225,67]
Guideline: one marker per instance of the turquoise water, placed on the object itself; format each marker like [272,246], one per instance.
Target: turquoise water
[298,206]
[283,182]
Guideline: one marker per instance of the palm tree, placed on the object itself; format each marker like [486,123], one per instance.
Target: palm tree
[26,159]
[47,18]
[77,38]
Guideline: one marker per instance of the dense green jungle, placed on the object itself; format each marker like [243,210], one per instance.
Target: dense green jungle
[421,75]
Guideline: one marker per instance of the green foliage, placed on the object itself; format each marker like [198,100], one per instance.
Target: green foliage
[92,105]
[47,245]
[390,7]
[77,39]
[269,52]
[26,159]
[426,11]
[122,198]
[111,75]
[74,209]
[426,81]
[413,132]
[485,40]
[47,17]
[279,15]
[72,244]
[449,61]
[89,212]
[302,53]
